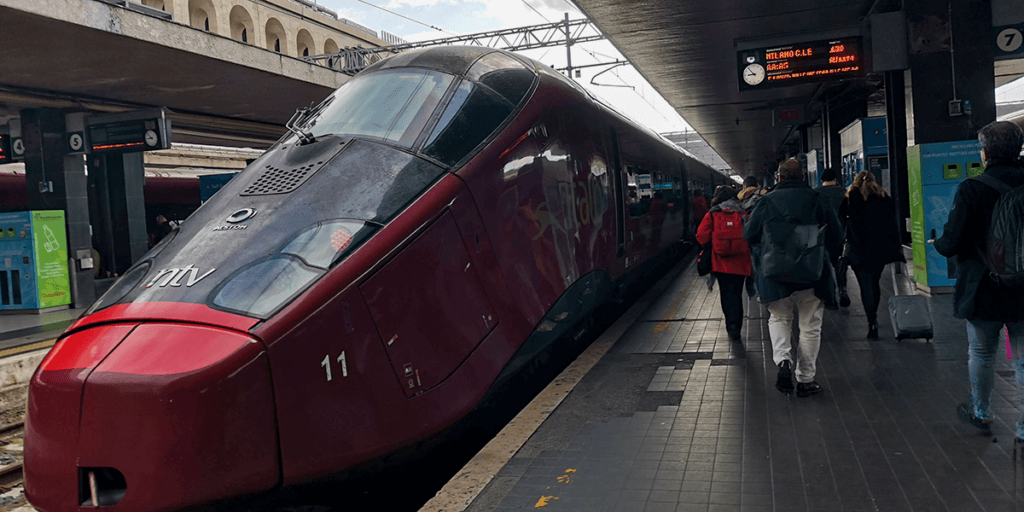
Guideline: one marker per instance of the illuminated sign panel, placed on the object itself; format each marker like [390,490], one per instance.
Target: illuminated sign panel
[817,61]
[5,148]
[129,132]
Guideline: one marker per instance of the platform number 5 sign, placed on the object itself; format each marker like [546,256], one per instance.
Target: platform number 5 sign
[1008,40]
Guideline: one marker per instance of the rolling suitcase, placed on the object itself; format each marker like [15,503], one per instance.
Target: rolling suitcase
[910,317]
[909,314]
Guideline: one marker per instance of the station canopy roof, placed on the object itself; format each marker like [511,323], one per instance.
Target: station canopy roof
[688,51]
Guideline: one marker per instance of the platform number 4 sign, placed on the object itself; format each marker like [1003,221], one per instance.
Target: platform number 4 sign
[1009,40]
[326,364]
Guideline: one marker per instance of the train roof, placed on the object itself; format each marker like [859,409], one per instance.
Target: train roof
[454,60]
[457,60]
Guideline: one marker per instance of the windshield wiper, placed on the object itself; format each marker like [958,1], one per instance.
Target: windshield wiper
[299,123]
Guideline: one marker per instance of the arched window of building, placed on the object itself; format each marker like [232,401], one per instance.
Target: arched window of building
[202,15]
[241,24]
[304,45]
[276,37]
[156,4]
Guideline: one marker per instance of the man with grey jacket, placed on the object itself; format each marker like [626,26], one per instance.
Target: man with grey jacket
[793,202]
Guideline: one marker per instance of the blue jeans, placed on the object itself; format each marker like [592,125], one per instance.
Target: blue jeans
[985,344]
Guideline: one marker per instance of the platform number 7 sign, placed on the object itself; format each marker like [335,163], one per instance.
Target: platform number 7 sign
[1009,40]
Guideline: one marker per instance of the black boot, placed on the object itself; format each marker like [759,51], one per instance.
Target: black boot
[784,382]
[873,331]
[844,298]
[735,332]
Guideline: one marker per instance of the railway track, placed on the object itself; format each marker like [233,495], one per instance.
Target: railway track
[11,475]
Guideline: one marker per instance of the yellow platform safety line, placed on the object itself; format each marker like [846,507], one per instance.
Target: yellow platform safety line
[27,348]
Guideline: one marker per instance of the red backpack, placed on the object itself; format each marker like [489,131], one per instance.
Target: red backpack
[727,235]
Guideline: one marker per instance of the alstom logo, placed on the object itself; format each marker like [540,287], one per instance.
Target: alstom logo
[173,277]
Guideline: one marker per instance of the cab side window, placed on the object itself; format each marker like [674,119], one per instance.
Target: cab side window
[472,114]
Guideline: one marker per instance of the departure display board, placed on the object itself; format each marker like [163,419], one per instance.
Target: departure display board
[5,148]
[817,61]
[128,132]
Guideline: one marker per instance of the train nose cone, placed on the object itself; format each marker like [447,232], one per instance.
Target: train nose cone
[150,416]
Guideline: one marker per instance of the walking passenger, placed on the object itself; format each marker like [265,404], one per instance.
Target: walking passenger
[751,192]
[986,304]
[836,195]
[730,254]
[795,271]
[872,240]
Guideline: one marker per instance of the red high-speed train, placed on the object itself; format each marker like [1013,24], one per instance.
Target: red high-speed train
[434,223]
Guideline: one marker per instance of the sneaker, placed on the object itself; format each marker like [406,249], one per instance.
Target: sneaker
[872,331]
[785,381]
[964,411]
[807,388]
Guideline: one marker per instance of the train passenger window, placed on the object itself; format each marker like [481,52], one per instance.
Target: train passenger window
[260,288]
[505,74]
[472,114]
[641,191]
[392,105]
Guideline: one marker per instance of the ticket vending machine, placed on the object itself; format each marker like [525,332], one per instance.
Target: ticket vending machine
[815,164]
[865,147]
[935,171]
[33,261]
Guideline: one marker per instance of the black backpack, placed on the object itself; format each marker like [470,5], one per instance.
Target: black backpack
[1004,244]
[792,252]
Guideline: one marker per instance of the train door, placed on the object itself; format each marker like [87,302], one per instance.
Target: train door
[620,208]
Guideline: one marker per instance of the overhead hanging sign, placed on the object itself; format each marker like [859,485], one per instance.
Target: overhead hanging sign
[128,132]
[1009,41]
[816,61]
[5,149]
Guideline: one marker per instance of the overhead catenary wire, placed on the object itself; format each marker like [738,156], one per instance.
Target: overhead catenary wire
[536,11]
[407,18]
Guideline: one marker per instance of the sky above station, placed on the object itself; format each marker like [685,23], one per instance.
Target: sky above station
[622,87]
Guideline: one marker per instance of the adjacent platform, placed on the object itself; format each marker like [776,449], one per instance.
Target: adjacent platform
[675,417]
[25,332]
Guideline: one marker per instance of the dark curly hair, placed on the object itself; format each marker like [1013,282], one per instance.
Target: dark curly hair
[1001,140]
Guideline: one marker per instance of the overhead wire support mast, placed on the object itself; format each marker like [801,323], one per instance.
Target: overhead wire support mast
[353,60]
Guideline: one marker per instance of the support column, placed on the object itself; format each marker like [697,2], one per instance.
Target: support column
[117,182]
[896,131]
[950,58]
[47,161]
[836,118]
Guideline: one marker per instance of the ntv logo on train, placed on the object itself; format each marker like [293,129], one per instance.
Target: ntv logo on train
[173,277]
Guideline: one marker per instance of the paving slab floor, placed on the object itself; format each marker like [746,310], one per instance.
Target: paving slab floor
[678,418]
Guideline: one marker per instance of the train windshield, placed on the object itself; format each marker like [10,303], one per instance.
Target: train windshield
[391,105]
[398,105]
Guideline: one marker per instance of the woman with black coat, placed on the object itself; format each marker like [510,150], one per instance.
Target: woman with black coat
[873,240]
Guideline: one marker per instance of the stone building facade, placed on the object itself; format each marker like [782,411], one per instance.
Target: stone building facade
[294,28]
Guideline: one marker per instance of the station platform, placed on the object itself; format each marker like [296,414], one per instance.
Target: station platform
[26,332]
[676,417]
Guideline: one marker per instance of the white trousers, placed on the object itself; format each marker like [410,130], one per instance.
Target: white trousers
[811,311]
